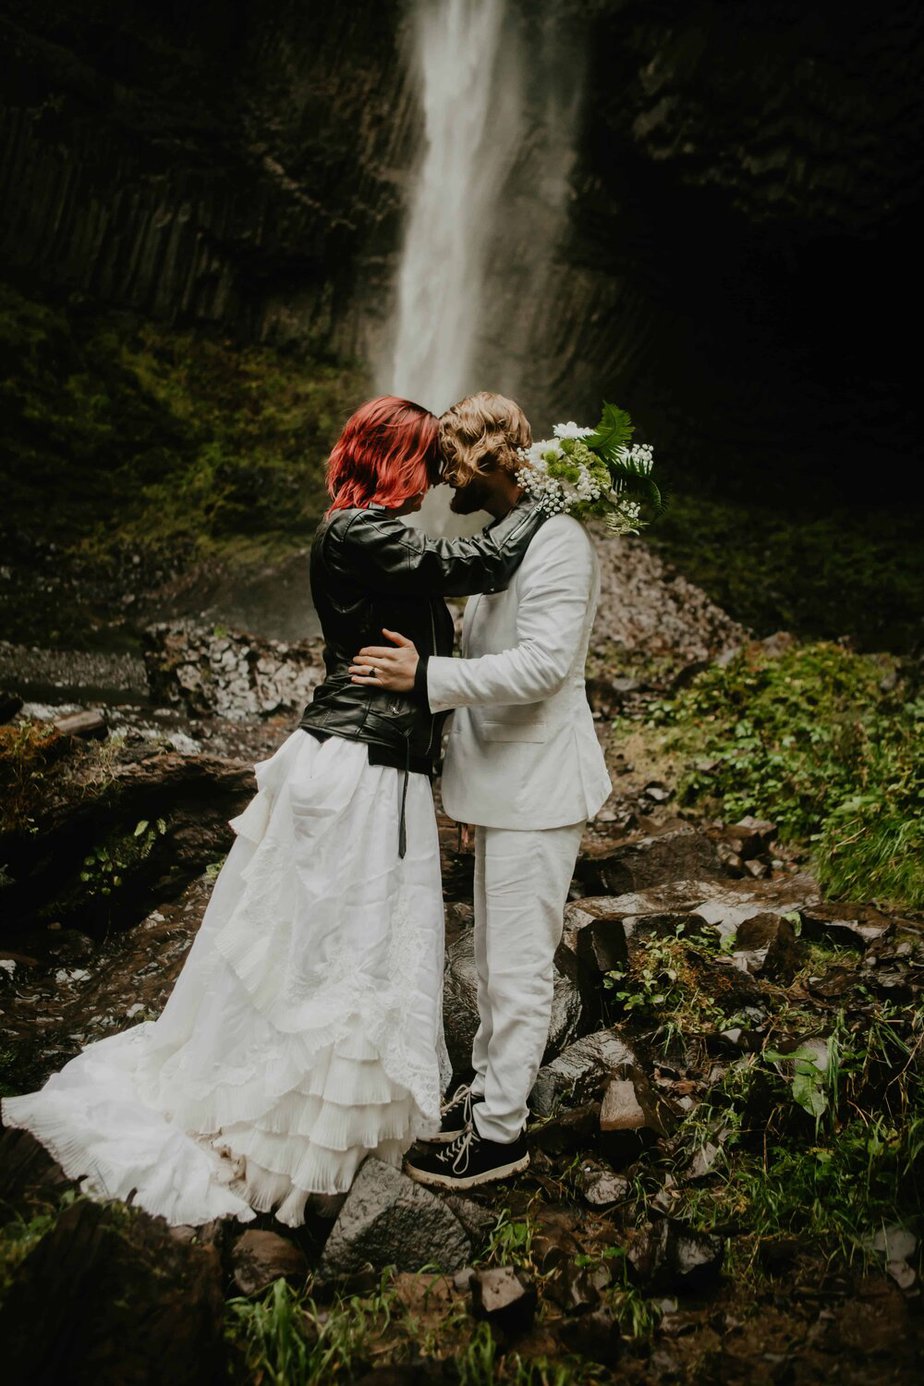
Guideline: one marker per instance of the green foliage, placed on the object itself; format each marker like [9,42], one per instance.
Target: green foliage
[510,1242]
[480,1364]
[872,844]
[27,750]
[661,990]
[20,1235]
[285,1335]
[863,1165]
[271,1331]
[151,436]
[637,1316]
[821,574]
[476,1363]
[261,422]
[827,744]
[809,1076]
[105,866]
[613,432]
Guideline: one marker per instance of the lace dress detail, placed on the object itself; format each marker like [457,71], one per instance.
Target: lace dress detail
[305,1028]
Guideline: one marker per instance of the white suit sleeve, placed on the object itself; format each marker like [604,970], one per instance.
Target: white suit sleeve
[556,582]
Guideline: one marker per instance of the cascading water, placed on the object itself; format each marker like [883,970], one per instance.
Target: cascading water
[482,228]
[471,94]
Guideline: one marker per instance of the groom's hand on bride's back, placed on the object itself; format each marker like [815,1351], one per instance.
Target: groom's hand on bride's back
[387,666]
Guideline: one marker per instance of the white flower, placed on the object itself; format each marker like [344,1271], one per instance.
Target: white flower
[534,455]
[641,454]
[557,494]
[571,430]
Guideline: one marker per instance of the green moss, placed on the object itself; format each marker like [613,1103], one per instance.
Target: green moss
[820,574]
[117,432]
[27,752]
[263,424]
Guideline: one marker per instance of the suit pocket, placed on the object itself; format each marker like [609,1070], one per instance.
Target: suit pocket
[514,722]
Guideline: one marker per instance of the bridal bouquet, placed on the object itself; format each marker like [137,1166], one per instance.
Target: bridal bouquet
[593,472]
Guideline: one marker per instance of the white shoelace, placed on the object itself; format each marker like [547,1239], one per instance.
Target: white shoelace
[458,1151]
[462,1096]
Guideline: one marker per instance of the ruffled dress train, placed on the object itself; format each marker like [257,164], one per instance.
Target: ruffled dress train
[304,1031]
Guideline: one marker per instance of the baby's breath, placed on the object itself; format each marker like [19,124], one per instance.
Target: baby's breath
[589,472]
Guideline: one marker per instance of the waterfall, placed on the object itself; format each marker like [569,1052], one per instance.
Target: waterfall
[499,91]
[466,57]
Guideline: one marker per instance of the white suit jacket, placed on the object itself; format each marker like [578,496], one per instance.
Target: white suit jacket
[522,750]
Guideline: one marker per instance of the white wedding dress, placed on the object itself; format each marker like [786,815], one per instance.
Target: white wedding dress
[304,1031]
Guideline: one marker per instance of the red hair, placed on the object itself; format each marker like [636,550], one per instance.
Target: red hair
[387,452]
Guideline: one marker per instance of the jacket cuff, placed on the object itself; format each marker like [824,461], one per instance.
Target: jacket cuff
[420,680]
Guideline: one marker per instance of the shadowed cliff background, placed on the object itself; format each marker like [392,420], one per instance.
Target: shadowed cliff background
[203,212]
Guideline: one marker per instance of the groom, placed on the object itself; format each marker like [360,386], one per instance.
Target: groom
[524,766]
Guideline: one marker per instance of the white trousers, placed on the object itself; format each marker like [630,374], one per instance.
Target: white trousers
[521,886]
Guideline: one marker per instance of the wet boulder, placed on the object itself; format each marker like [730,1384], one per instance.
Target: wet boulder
[601,1188]
[724,906]
[108,1292]
[581,1072]
[766,945]
[594,942]
[505,1297]
[258,1258]
[667,1255]
[680,854]
[856,925]
[389,1220]
[460,1005]
[632,1117]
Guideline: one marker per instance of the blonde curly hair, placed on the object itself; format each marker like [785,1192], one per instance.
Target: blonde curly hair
[479,432]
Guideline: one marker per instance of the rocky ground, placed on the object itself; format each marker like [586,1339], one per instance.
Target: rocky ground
[720,1034]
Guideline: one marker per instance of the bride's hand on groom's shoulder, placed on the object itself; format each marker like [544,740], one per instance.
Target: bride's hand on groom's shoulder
[387,666]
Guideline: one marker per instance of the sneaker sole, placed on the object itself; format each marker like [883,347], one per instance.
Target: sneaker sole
[448,1181]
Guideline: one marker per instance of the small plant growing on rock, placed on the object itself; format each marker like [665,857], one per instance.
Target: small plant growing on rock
[105,866]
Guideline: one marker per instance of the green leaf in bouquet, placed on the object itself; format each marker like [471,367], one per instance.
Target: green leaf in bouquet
[631,478]
[614,431]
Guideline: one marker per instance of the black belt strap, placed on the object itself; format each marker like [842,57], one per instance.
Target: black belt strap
[402,827]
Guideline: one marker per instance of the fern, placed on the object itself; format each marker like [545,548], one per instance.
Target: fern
[631,478]
[613,432]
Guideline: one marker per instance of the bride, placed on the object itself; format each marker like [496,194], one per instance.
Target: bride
[304,1031]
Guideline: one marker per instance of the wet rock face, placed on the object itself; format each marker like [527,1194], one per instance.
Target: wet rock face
[230,674]
[752,127]
[192,164]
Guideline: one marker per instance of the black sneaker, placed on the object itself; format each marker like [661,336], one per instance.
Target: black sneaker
[468,1161]
[456,1115]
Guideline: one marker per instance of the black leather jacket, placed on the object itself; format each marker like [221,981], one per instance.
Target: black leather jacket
[369,570]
